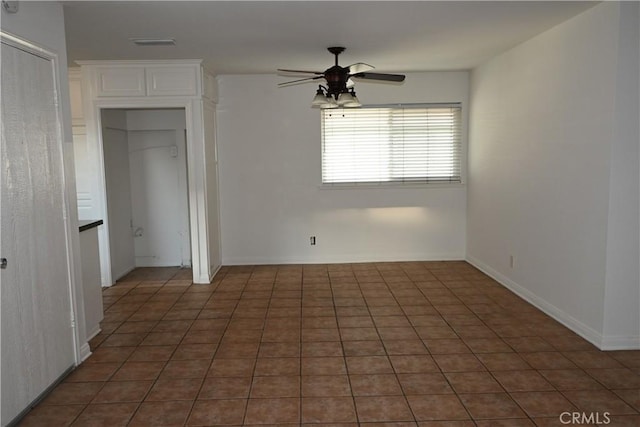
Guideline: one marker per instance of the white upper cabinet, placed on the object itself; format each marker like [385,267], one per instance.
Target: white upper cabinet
[120,79]
[163,81]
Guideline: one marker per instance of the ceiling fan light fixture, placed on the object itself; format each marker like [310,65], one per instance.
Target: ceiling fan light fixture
[345,98]
[355,102]
[329,103]
[320,99]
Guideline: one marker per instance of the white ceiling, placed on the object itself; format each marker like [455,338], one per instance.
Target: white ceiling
[258,37]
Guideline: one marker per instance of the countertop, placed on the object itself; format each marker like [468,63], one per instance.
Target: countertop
[87,224]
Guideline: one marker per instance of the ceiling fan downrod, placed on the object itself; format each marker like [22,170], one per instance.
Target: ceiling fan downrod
[336,50]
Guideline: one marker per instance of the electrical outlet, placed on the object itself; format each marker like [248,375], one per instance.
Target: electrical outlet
[312,240]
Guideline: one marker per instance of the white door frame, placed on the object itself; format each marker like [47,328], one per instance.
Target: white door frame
[80,347]
[196,172]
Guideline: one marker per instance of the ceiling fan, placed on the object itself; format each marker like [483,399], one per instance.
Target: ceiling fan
[339,91]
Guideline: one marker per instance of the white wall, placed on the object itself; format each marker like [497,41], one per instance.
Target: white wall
[156,119]
[159,189]
[118,182]
[622,293]
[270,199]
[543,116]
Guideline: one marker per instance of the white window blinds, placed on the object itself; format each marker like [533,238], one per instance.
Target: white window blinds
[404,144]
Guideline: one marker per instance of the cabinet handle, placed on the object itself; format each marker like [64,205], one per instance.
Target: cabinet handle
[3,263]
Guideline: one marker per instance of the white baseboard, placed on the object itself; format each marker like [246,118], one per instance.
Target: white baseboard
[567,320]
[620,343]
[341,259]
[205,279]
[85,351]
[93,333]
[202,279]
[120,275]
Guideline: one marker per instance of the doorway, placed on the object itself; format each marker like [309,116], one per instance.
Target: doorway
[157,85]
[145,167]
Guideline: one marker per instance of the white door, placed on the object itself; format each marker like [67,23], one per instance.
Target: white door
[159,201]
[37,338]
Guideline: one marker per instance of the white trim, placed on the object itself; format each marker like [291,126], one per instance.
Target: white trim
[214,255]
[92,334]
[620,343]
[342,259]
[85,352]
[121,274]
[215,271]
[561,316]
[391,185]
[202,279]
[33,48]
[128,63]
[208,279]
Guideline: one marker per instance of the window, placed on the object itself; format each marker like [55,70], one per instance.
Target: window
[398,144]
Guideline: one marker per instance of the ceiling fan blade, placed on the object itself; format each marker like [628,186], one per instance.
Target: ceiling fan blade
[380,76]
[359,67]
[292,82]
[282,70]
[350,83]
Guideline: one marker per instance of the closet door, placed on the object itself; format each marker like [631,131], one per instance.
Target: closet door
[36,332]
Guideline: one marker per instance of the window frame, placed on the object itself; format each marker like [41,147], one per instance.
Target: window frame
[397,184]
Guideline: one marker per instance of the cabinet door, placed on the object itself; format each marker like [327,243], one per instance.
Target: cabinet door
[120,81]
[91,281]
[37,336]
[163,81]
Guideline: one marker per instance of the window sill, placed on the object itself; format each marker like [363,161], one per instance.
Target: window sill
[391,185]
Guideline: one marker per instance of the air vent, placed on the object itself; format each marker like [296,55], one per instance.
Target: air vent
[154,42]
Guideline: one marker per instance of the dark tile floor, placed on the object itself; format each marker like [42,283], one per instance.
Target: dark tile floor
[406,344]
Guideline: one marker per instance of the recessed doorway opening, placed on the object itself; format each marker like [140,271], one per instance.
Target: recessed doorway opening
[145,171]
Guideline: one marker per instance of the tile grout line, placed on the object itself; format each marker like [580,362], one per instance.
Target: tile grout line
[344,354]
[386,351]
[455,279]
[195,400]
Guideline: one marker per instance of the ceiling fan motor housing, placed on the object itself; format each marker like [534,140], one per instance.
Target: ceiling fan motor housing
[336,78]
